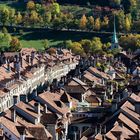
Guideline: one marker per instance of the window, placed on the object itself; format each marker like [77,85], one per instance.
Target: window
[74,128]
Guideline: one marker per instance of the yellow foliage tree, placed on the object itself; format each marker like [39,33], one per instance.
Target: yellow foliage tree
[18,18]
[34,16]
[30,5]
[83,22]
[97,24]
[127,24]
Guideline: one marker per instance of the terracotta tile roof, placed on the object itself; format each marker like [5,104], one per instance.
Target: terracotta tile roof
[135,97]
[128,122]
[91,77]
[52,100]
[100,73]
[28,109]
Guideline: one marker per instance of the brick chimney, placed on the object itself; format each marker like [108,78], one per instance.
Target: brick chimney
[37,108]
[15,99]
[137,107]
[22,132]
[8,65]
[13,114]
[45,108]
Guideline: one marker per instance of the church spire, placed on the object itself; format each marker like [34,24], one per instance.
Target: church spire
[114,39]
[115,43]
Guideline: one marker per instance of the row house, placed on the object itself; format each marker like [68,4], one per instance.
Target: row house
[123,124]
[27,72]
[44,118]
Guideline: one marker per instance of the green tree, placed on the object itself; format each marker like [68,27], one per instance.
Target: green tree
[96,46]
[86,44]
[4,15]
[55,8]
[34,18]
[46,44]
[115,3]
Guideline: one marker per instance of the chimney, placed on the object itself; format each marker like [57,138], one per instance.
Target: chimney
[18,69]
[32,58]
[37,108]
[120,123]
[15,99]
[137,107]
[104,129]
[13,114]
[20,59]
[119,135]
[114,106]
[95,130]
[138,134]
[8,65]
[45,108]
[35,92]
[22,132]
[103,137]
[100,128]
[28,58]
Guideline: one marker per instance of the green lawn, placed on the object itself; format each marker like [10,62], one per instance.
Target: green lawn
[35,39]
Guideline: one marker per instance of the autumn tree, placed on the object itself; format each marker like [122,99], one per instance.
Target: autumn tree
[15,44]
[97,25]
[83,22]
[18,18]
[30,5]
[105,22]
[91,22]
[127,24]
[34,17]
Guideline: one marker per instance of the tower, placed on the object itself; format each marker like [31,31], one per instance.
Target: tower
[114,44]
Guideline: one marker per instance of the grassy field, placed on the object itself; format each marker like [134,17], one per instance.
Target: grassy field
[35,39]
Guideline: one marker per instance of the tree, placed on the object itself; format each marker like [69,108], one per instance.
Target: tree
[30,5]
[115,3]
[77,48]
[46,44]
[96,45]
[47,18]
[12,16]
[97,24]
[127,24]
[120,18]
[86,44]
[83,22]
[55,8]
[34,17]
[130,42]
[105,22]
[15,44]
[4,15]
[18,18]
[91,22]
